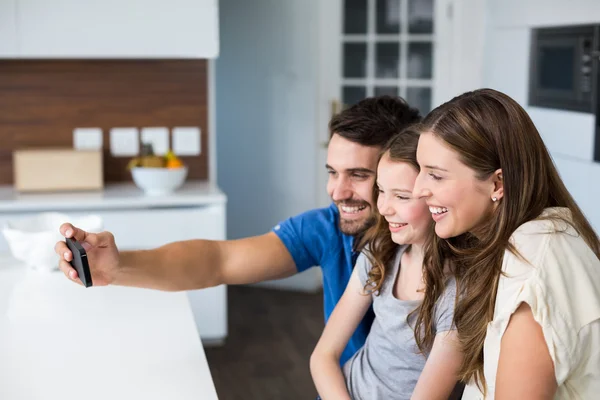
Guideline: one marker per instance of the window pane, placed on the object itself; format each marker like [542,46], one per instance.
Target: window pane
[420,16]
[355,16]
[387,60]
[353,94]
[388,16]
[383,90]
[420,60]
[419,97]
[355,60]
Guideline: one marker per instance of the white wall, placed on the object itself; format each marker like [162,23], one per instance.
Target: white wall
[460,36]
[266,89]
[568,135]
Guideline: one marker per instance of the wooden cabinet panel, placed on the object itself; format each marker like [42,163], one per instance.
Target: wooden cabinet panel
[42,101]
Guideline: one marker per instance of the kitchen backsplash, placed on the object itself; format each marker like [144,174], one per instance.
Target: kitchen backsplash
[43,101]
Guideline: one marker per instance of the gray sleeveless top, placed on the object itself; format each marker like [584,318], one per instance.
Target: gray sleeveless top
[388,365]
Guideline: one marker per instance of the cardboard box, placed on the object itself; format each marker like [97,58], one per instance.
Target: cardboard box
[52,169]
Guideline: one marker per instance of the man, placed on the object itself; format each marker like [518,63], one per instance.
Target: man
[324,237]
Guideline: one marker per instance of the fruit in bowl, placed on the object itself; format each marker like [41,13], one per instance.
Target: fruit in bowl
[157,175]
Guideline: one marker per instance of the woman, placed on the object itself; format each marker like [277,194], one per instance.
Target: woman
[526,259]
[389,366]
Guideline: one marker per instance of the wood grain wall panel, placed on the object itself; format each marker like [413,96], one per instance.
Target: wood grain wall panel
[42,101]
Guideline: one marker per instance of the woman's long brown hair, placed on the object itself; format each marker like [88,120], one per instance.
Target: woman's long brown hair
[491,131]
[378,240]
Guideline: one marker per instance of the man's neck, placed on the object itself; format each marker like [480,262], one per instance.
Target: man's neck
[356,239]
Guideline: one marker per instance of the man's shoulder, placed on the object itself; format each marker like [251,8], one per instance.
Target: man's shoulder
[309,236]
[318,219]
[329,214]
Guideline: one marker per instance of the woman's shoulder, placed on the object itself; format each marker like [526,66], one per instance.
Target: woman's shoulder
[553,220]
[549,246]
[538,239]
[555,263]
[558,275]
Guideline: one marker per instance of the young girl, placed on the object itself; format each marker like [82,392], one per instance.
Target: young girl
[389,365]
[525,257]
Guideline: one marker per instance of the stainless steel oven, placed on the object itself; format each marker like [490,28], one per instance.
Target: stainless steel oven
[564,64]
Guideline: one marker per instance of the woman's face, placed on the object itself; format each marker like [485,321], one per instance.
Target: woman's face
[459,202]
[407,216]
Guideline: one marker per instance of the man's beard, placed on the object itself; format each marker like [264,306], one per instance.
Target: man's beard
[356,227]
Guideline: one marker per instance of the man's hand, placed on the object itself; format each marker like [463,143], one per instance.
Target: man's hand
[102,254]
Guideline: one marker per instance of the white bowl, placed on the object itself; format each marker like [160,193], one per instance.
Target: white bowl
[32,239]
[159,181]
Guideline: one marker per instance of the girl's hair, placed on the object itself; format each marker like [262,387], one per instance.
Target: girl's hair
[378,240]
[490,131]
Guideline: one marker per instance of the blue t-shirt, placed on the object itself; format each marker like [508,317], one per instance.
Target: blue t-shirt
[314,239]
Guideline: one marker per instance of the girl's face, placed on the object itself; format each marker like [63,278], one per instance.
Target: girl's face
[459,202]
[408,216]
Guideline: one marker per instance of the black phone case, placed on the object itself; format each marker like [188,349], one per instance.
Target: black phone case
[80,261]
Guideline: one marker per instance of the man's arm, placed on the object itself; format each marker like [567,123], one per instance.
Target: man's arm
[196,264]
[184,265]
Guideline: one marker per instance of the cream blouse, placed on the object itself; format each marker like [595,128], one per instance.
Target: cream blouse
[561,284]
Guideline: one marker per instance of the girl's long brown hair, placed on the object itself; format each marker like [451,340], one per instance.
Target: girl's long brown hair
[378,240]
[491,131]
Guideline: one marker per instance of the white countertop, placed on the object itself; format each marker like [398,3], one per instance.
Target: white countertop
[61,341]
[114,196]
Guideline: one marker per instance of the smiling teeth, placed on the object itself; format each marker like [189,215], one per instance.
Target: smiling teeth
[395,225]
[351,210]
[438,210]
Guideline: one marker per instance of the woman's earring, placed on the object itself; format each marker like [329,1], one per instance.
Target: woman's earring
[494,199]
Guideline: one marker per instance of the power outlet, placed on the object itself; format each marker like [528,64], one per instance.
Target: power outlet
[158,137]
[124,142]
[186,141]
[87,139]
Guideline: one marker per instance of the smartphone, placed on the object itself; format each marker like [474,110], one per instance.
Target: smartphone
[80,261]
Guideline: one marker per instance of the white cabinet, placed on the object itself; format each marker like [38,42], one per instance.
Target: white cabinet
[196,211]
[115,28]
[154,227]
[8,28]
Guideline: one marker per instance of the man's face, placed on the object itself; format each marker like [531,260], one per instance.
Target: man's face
[352,170]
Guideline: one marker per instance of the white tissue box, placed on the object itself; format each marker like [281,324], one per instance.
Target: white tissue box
[32,239]
[51,169]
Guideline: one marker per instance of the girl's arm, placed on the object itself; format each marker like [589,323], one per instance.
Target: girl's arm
[440,374]
[525,368]
[325,360]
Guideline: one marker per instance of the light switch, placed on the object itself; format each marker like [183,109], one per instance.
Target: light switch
[158,137]
[124,142]
[87,139]
[186,141]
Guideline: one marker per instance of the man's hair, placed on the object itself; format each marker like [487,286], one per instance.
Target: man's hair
[374,120]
